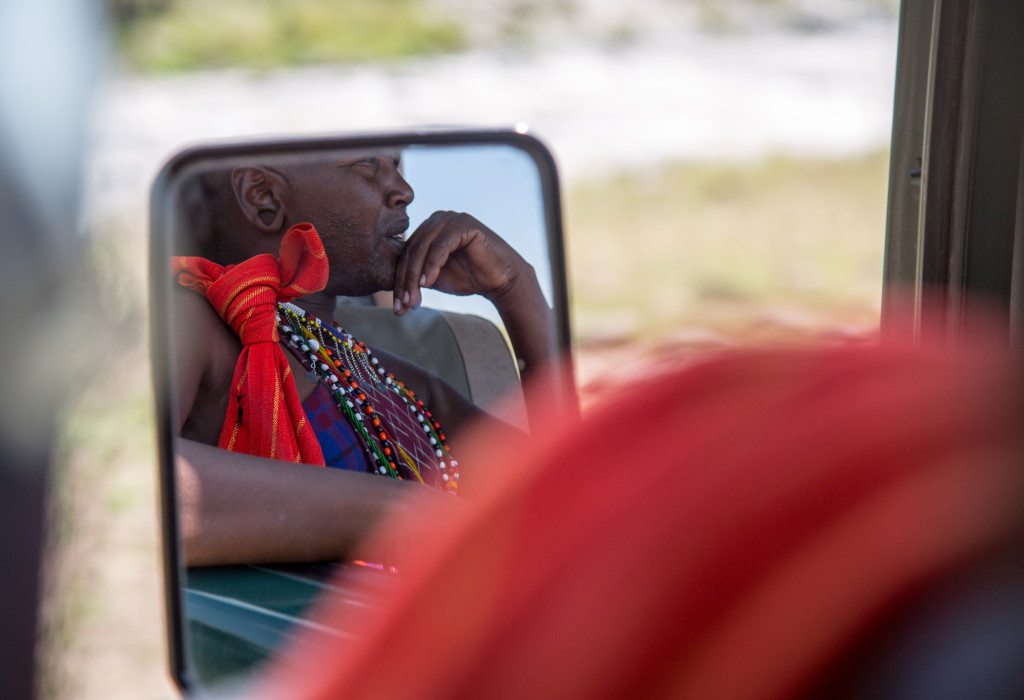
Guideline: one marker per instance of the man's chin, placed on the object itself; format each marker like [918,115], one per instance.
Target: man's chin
[394,245]
[385,281]
[362,287]
[389,266]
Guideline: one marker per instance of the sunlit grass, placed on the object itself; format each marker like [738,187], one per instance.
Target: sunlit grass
[725,245]
[190,34]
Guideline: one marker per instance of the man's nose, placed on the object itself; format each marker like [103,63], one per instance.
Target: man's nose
[400,194]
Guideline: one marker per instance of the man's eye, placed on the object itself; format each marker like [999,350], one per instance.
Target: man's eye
[369,163]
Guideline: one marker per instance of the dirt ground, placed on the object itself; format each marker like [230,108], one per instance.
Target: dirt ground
[104,617]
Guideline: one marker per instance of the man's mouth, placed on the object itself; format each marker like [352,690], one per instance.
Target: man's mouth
[397,230]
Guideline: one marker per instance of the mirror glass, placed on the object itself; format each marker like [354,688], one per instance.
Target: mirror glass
[351,304]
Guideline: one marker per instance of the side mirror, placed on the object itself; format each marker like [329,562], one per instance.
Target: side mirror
[445,275]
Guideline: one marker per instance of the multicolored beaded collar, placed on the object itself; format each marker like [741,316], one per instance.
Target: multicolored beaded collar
[398,431]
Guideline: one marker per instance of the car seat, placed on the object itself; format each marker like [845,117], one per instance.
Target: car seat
[469,352]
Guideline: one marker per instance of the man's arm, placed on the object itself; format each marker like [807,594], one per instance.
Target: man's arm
[236,508]
[530,325]
[455,253]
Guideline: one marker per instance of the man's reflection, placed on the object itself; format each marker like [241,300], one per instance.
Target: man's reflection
[266,283]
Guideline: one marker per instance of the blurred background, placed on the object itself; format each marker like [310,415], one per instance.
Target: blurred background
[724,168]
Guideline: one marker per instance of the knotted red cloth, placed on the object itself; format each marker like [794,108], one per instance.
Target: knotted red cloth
[264,415]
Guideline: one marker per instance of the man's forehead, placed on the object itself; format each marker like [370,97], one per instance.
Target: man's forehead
[378,152]
[333,159]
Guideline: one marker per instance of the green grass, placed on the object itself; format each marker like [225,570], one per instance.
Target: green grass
[727,246]
[191,34]
[725,17]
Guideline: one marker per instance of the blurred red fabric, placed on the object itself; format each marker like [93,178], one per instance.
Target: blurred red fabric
[723,531]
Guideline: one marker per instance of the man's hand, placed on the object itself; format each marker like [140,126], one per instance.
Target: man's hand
[454,253]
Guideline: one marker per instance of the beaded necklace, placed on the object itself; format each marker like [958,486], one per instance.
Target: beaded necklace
[409,446]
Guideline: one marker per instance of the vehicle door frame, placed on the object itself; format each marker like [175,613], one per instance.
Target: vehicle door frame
[955,224]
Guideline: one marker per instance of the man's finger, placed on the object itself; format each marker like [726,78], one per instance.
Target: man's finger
[417,257]
[413,256]
[403,278]
[400,290]
[435,259]
[438,255]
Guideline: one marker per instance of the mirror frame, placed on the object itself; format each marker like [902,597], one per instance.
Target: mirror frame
[162,216]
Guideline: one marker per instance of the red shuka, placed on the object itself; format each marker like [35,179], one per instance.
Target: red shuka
[264,415]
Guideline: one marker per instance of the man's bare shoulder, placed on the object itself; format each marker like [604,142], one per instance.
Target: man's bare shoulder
[206,351]
[201,333]
[193,312]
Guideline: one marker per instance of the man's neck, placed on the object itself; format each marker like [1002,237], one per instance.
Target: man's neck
[320,304]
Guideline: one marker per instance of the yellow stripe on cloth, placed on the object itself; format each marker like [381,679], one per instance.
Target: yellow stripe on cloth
[411,462]
[266,279]
[277,410]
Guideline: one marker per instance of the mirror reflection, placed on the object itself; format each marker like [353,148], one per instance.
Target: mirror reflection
[353,310]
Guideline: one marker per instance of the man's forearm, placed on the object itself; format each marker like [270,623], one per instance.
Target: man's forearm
[530,324]
[238,508]
[528,320]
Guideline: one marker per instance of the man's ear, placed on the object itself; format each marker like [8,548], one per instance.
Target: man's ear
[258,194]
